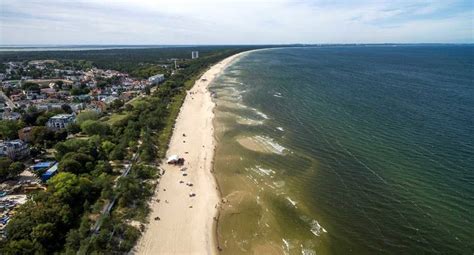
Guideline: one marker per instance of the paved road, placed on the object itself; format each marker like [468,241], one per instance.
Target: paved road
[9,102]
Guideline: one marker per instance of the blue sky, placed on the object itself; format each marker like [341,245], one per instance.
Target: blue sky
[234,21]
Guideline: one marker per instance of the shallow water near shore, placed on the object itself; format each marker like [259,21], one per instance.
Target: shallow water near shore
[337,150]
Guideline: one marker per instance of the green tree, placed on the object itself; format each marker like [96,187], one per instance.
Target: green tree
[9,129]
[71,166]
[74,145]
[40,222]
[93,127]
[107,146]
[59,84]
[41,120]
[73,128]
[15,169]
[116,104]
[22,246]
[44,232]
[66,108]
[31,86]
[4,167]
[87,115]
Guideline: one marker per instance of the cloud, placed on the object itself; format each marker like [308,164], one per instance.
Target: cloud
[233,21]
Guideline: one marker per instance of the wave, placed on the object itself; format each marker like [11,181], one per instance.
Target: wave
[291,201]
[287,246]
[265,171]
[259,113]
[262,144]
[307,251]
[269,141]
[314,225]
[316,228]
[248,121]
[279,184]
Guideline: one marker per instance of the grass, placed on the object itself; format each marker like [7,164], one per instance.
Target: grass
[116,117]
[174,108]
[137,100]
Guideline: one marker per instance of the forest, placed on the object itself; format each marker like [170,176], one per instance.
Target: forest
[124,60]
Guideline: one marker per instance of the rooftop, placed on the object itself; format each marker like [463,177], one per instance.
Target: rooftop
[63,116]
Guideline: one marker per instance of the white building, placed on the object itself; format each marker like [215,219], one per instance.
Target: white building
[194,54]
[60,121]
[14,149]
[155,79]
[9,115]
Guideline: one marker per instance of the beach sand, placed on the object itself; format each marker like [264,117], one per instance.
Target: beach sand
[187,224]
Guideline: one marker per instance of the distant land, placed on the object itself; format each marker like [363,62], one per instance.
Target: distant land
[72,47]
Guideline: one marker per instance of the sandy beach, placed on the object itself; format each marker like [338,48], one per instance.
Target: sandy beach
[186,224]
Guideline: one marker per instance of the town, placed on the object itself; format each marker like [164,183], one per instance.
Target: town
[40,101]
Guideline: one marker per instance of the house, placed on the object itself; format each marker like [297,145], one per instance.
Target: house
[109,99]
[31,95]
[156,79]
[126,96]
[9,115]
[14,149]
[25,134]
[49,92]
[17,97]
[45,106]
[97,106]
[60,121]
[9,84]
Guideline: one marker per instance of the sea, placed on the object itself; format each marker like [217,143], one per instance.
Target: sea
[347,150]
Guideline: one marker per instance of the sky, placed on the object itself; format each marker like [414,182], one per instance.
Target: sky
[172,22]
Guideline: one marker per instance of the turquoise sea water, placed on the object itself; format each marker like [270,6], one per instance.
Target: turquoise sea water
[339,150]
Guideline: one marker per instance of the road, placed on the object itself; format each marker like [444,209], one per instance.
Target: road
[9,102]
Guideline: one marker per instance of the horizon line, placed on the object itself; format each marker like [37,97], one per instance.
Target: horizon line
[258,44]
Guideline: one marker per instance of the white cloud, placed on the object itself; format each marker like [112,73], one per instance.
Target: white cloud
[232,22]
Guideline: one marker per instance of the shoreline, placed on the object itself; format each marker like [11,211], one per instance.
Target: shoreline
[188,224]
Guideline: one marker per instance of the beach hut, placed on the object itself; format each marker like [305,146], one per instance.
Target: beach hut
[173,159]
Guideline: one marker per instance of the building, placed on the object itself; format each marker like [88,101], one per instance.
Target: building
[25,134]
[194,54]
[43,165]
[97,106]
[9,115]
[155,79]
[49,173]
[60,121]
[14,149]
